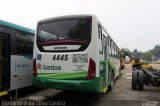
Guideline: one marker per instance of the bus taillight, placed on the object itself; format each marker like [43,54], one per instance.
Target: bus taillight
[34,68]
[91,69]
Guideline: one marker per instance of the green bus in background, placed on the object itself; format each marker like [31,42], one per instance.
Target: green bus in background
[16,52]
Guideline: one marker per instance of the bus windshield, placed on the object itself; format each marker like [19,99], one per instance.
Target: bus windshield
[64,32]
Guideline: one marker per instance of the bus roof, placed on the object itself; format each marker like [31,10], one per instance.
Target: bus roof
[65,17]
[75,16]
[16,27]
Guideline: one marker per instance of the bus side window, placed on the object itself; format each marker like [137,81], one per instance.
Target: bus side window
[110,47]
[21,40]
[100,32]
[116,52]
[103,44]
[105,48]
[100,40]
[24,43]
[30,44]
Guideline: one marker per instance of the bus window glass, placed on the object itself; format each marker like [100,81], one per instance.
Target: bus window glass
[110,47]
[100,40]
[24,43]
[64,32]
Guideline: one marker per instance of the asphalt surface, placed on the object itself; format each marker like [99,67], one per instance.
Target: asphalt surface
[121,95]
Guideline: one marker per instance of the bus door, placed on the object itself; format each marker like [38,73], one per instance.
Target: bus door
[21,64]
[106,59]
[4,62]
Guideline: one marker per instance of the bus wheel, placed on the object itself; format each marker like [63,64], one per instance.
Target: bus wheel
[112,82]
[141,80]
[134,80]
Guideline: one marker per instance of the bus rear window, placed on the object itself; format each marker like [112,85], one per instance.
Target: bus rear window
[64,35]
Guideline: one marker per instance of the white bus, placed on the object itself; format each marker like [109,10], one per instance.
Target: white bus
[74,53]
[16,52]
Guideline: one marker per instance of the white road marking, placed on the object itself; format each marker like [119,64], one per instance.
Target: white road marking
[127,76]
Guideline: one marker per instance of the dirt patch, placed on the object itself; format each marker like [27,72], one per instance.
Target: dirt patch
[156,66]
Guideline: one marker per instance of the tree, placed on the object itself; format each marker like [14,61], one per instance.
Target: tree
[122,54]
[156,51]
[136,54]
[127,52]
[147,56]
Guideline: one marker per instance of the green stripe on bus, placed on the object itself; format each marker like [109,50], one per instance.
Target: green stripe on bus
[66,77]
[63,75]
[103,62]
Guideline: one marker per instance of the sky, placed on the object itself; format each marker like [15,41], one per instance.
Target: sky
[133,24]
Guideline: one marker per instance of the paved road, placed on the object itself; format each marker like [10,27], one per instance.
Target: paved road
[122,95]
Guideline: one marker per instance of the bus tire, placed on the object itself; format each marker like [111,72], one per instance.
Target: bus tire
[140,80]
[112,82]
[134,80]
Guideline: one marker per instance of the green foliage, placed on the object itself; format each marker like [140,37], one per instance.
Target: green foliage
[122,55]
[125,52]
[156,51]
[147,56]
[137,54]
